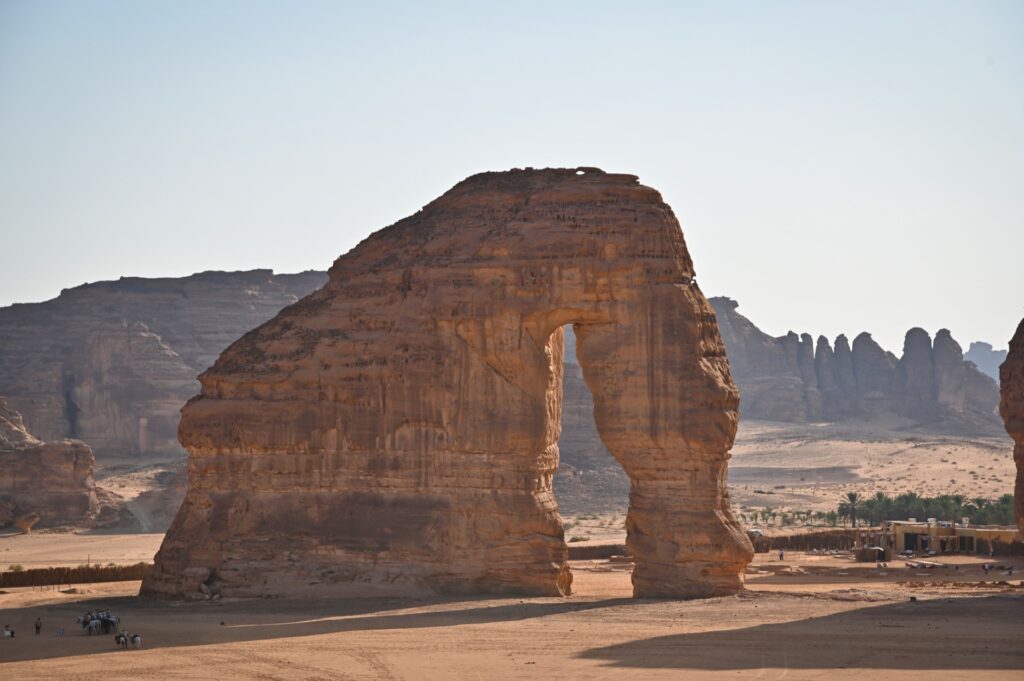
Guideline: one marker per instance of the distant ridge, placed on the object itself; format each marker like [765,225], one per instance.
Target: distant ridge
[112,362]
[795,378]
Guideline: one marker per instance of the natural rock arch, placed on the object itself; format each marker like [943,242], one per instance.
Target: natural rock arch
[396,431]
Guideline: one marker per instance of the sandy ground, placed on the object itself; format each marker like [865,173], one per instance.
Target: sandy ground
[69,549]
[135,481]
[810,617]
[811,466]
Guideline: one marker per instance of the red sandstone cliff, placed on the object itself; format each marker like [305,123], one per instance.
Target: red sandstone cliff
[1011,406]
[112,362]
[51,479]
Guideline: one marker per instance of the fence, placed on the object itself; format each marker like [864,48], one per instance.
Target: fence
[82,574]
[840,540]
[1002,548]
[595,551]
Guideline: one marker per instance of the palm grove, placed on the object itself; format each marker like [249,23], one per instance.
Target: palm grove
[855,508]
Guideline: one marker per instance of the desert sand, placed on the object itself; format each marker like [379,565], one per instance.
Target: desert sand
[810,466]
[810,617]
[70,549]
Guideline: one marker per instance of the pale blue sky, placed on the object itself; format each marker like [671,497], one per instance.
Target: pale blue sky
[837,167]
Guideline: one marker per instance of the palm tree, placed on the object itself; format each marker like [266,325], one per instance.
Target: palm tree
[852,503]
[843,509]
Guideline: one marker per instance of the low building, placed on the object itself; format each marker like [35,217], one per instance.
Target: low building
[942,536]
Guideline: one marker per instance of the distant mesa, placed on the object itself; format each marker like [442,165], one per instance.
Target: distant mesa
[799,379]
[111,363]
[986,358]
[396,431]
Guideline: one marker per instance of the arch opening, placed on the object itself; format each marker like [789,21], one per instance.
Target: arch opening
[590,487]
[589,481]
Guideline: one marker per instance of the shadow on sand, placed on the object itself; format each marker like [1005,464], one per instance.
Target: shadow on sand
[968,633]
[962,633]
[176,624]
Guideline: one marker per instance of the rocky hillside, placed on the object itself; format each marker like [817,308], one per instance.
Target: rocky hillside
[112,362]
[795,378]
[47,482]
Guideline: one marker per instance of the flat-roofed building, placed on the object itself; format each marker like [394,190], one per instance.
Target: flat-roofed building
[943,536]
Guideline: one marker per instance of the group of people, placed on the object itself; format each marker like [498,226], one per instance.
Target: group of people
[99,622]
[9,631]
[989,566]
[123,639]
[93,623]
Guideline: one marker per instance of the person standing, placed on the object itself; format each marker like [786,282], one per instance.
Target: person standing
[39,625]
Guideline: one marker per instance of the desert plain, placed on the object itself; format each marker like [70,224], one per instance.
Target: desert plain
[808,616]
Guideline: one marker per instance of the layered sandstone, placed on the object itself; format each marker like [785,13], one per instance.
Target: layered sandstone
[792,378]
[396,431]
[1011,407]
[51,480]
[112,363]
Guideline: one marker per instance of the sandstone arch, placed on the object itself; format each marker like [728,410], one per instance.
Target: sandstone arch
[396,431]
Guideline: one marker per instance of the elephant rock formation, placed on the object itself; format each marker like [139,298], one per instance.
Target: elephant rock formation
[396,431]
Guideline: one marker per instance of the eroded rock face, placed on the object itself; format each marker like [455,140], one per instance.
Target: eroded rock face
[112,362]
[50,480]
[785,379]
[1011,407]
[124,389]
[396,431]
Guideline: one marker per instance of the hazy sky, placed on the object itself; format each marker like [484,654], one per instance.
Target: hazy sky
[836,166]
